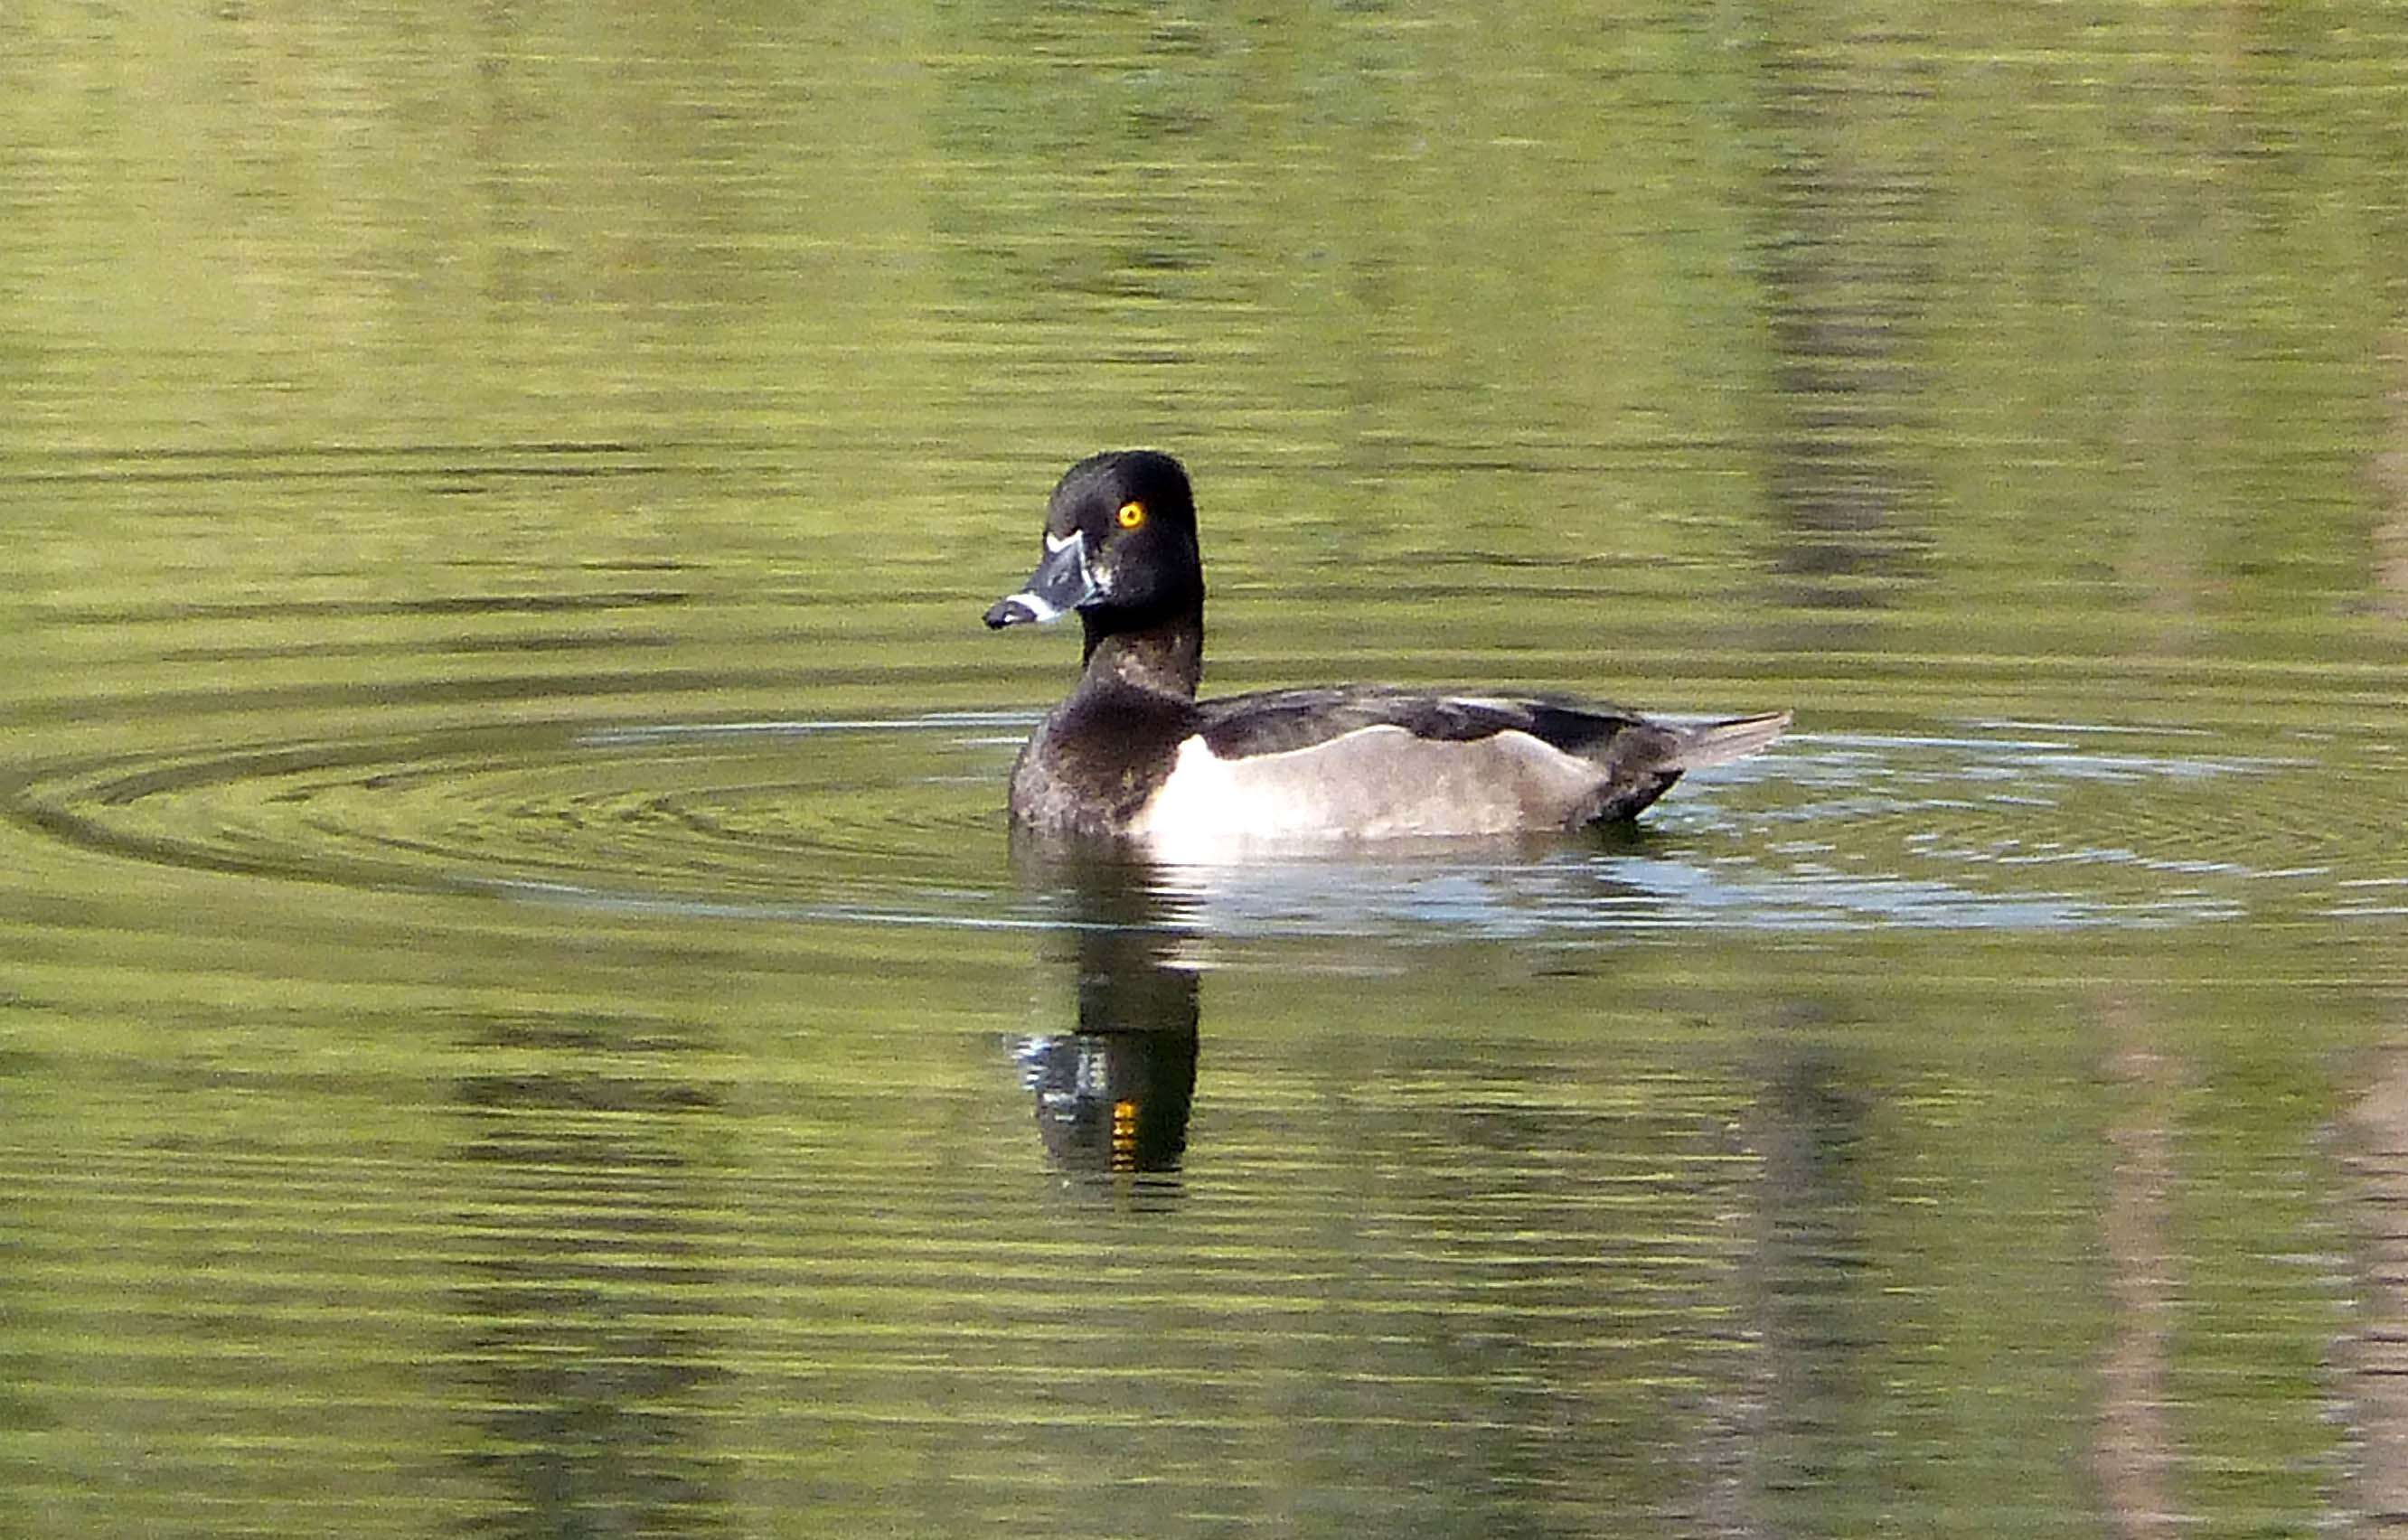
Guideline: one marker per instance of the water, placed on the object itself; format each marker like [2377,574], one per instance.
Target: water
[520,1014]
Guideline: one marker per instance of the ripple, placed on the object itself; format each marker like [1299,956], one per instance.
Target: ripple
[764,810]
[2013,826]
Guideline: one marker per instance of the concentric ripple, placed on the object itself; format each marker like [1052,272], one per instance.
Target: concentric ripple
[831,814]
[1995,825]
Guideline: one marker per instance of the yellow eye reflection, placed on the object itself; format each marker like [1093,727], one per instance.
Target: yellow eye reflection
[1131,515]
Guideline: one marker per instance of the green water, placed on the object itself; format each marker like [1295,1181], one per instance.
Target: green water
[519,1014]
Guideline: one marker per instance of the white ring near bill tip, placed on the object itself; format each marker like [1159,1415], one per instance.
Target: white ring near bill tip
[1039,611]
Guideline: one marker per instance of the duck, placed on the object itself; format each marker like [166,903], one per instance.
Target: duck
[1133,757]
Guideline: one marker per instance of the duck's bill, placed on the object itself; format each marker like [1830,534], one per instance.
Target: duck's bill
[1060,584]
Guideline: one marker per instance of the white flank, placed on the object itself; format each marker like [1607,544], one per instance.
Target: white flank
[1373,783]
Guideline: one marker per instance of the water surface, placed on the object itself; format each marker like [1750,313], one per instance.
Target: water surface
[520,1013]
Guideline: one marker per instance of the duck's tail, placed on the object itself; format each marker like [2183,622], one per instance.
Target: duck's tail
[1719,743]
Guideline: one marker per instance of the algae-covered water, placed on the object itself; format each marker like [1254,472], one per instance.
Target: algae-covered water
[519,1013]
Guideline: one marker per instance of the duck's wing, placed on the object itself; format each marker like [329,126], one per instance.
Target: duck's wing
[1352,763]
[1621,744]
[1275,721]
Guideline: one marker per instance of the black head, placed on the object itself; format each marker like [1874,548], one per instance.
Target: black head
[1119,548]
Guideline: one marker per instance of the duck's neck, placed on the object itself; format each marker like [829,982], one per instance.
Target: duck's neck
[1167,656]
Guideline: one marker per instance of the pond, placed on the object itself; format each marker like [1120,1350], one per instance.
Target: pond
[520,1012]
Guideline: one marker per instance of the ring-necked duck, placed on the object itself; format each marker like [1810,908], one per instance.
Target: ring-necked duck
[1134,755]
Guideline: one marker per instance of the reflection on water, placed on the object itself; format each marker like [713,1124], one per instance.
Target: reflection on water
[1112,1095]
[587,1334]
[1847,280]
[1808,1269]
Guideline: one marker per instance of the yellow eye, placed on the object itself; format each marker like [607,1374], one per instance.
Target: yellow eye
[1131,515]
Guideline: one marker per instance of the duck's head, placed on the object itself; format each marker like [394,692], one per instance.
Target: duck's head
[1119,548]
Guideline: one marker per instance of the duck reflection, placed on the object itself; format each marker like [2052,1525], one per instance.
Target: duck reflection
[1113,1095]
